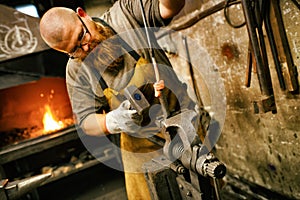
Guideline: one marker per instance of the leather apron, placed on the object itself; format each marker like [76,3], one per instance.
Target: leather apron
[136,151]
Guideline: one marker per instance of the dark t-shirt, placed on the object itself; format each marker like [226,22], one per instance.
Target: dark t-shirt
[86,94]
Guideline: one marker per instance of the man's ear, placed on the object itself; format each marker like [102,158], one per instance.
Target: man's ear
[82,13]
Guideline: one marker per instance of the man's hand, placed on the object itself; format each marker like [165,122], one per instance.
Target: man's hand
[158,87]
[122,119]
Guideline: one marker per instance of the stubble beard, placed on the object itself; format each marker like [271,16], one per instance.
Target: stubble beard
[107,51]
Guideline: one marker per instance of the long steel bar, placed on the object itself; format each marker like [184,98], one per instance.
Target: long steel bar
[162,98]
[274,51]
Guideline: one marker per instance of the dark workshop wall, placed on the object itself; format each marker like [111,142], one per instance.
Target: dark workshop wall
[261,148]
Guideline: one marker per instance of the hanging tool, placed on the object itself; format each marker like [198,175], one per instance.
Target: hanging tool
[273,45]
[254,21]
[289,69]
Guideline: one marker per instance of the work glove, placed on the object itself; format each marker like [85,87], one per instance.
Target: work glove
[122,119]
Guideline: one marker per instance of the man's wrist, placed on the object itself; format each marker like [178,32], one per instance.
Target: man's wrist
[105,130]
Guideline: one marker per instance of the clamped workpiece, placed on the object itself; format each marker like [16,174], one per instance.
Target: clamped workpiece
[183,143]
[186,170]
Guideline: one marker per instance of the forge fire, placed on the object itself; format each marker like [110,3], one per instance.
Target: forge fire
[34,109]
[51,124]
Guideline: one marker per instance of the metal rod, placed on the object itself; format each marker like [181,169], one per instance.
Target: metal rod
[162,99]
[249,66]
[293,84]
[274,51]
[157,140]
[196,89]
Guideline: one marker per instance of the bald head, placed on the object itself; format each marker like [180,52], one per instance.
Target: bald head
[54,25]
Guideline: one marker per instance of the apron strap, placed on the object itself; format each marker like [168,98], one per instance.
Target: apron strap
[125,45]
[100,78]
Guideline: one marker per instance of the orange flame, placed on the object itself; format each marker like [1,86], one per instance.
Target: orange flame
[50,124]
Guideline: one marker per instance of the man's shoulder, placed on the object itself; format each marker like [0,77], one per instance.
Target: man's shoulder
[73,69]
